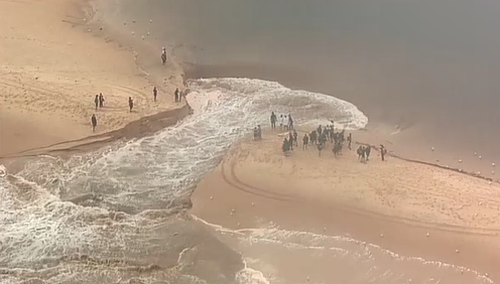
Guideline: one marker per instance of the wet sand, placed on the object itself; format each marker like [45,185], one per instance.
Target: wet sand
[53,65]
[394,204]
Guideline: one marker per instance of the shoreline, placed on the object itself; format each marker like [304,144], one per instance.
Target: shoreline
[261,179]
[148,124]
[67,130]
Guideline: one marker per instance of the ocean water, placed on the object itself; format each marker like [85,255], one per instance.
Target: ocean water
[117,214]
[112,206]
[405,62]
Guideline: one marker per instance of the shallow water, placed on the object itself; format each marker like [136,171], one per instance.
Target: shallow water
[111,215]
[115,215]
[117,203]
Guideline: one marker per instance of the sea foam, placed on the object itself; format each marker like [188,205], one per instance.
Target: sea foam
[55,209]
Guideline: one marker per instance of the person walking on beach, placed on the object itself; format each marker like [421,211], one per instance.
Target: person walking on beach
[94,122]
[155,93]
[290,122]
[305,142]
[101,100]
[349,141]
[96,101]
[383,152]
[130,103]
[290,140]
[295,138]
[285,122]
[176,95]
[273,120]
[282,121]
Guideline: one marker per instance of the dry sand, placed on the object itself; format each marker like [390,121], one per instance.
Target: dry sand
[51,68]
[401,200]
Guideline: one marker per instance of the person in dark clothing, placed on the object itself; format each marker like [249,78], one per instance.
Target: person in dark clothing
[305,142]
[285,147]
[96,101]
[368,149]
[273,120]
[290,122]
[349,141]
[94,122]
[130,103]
[360,152]
[290,140]
[319,130]
[163,56]
[155,93]
[295,138]
[383,152]
[101,100]
[320,148]
[313,136]
[176,95]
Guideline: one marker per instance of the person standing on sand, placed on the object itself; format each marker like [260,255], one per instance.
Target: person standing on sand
[290,122]
[349,141]
[96,101]
[295,138]
[285,147]
[290,140]
[305,142]
[383,151]
[101,100]
[282,121]
[360,152]
[368,149]
[176,95]
[130,103]
[155,93]
[273,120]
[94,122]
[163,55]
[320,148]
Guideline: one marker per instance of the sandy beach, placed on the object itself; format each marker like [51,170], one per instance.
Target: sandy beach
[52,68]
[113,204]
[408,208]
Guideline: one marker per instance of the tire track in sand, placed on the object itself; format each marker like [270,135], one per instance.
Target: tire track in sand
[232,179]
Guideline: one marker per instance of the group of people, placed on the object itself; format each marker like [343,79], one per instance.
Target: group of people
[99,103]
[286,122]
[318,137]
